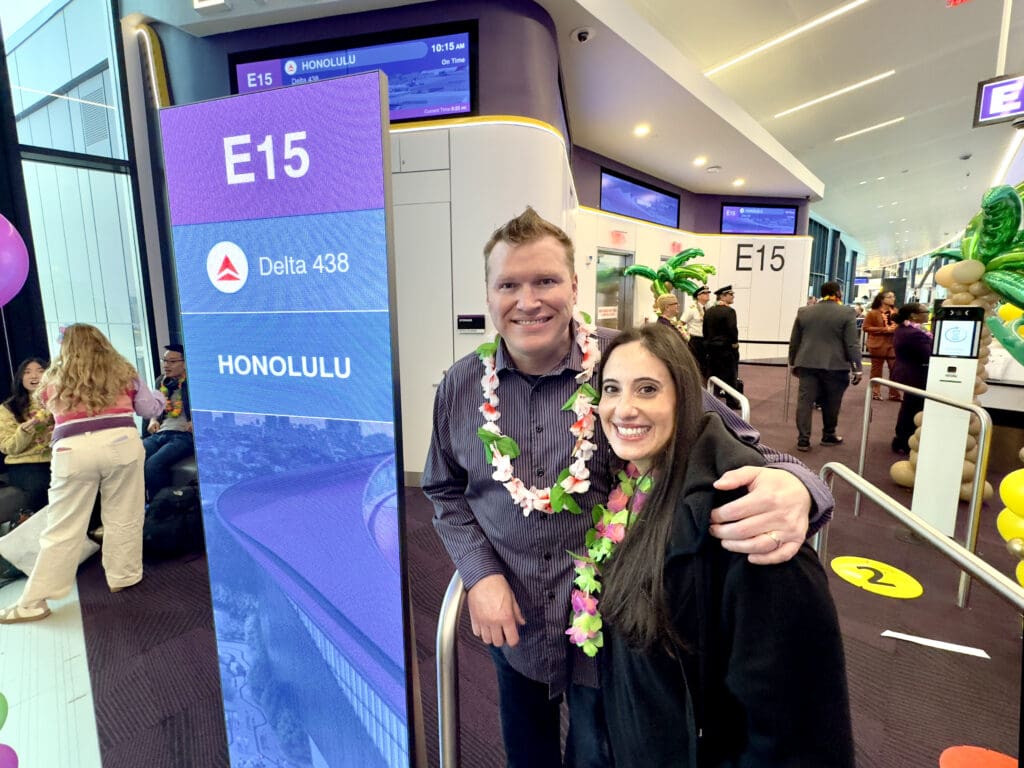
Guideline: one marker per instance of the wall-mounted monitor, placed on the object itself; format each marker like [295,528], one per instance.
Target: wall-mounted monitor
[629,197]
[431,70]
[745,219]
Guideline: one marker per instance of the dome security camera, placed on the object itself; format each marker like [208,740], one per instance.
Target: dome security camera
[582,34]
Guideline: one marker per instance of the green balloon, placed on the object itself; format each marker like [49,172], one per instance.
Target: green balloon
[3,710]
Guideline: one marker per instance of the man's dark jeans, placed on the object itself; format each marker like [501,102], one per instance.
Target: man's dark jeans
[818,385]
[530,722]
[163,451]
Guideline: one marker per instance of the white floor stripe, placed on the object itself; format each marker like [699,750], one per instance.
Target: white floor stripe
[964,649]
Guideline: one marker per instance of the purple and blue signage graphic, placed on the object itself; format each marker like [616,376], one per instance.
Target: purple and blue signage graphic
[280,228]
[428,77]
[619,195]
[758,220]
[999,100]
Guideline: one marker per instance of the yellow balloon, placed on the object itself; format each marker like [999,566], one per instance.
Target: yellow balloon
[1011,491]
[944,276]
[1020,573]
[1008,313]
[1010,526]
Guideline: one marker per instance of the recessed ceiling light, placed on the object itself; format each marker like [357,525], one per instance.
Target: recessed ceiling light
[869,128]
[784,37]
[864,182]
[904,218]
[880,178]
[840,92]
[641,130]
[738,182]
[713,168]
[894,202]
[700,161]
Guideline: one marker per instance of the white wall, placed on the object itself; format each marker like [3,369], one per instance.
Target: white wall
[452,187]
[768,291]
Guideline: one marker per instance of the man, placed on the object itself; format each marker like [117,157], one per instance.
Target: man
[693,317]
[170,434]
[824,351]
[721,340]
[514,563]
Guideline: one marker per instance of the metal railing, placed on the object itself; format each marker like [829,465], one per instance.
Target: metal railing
[714,381]
[980,466]
[968,561]
[448,673]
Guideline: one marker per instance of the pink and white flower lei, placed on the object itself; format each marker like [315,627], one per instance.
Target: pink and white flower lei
[502,449]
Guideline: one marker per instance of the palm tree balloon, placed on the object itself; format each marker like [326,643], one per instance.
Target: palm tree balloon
[675,273]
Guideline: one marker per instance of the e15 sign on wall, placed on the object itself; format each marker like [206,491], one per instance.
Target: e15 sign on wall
[280,213]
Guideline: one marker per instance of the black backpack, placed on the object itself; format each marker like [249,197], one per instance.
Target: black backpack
[173,524]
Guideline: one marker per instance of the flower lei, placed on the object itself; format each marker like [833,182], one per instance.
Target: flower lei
[501,449]
[175,403]
[610,526]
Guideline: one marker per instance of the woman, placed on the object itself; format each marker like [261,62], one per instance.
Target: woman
[693,317]
[666,307]
[707,659]
[92,392]
[879,326]
[25,435]
[913,347]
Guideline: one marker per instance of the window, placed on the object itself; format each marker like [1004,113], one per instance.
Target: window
[71,131]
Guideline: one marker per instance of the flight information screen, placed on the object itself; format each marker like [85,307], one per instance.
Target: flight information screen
[758,220]
[427,76]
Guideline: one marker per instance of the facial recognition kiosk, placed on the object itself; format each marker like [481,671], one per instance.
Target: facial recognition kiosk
[280,210]
[952,369]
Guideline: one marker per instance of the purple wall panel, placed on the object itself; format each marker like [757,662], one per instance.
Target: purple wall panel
[518,52]
[697,213]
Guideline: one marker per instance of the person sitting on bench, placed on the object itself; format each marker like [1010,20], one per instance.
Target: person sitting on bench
[170,434]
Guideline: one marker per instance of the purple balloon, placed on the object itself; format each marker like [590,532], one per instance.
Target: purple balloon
[8,757]
[13,261]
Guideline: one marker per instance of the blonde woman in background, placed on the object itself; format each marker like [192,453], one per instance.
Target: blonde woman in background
[92,392]
[666,307]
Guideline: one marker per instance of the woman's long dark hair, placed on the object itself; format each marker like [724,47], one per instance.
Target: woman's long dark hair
[633,593]
[20,401]
[877,301]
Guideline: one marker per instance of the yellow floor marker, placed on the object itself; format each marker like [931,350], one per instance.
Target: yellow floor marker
[874,576]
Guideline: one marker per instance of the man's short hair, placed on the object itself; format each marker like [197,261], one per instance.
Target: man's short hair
[175,348]
[529,227]
[831,288]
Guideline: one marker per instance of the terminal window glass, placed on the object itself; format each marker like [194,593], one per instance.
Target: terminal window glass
[62,61]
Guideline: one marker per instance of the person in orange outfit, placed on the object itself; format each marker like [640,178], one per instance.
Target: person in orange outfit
[879,325]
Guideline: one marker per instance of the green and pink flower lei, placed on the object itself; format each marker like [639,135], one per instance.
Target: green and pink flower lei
[501,449]
[611,523]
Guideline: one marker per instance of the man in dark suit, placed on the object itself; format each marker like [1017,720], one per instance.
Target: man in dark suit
[824,351]
[721,340]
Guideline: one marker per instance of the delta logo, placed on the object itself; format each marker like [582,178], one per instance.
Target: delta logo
[227,267]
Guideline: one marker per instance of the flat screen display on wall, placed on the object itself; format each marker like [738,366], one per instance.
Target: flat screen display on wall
[758,219]
[431,70]
[633,198]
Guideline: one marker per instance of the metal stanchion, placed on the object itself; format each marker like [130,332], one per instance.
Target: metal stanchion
[980,467]
[969,562]
[714,381]
[448,673]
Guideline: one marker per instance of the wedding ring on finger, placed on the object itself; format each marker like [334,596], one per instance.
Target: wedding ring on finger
[774,536]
